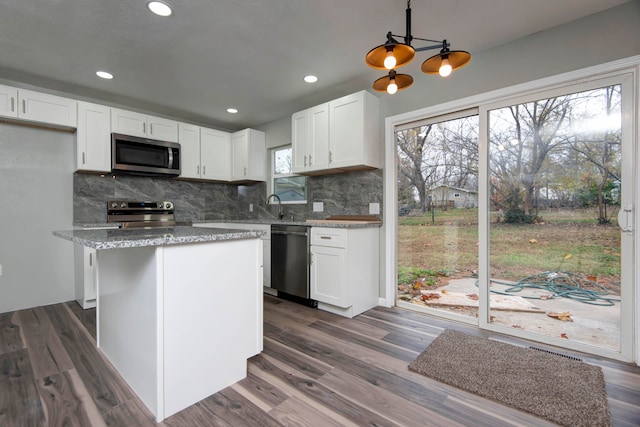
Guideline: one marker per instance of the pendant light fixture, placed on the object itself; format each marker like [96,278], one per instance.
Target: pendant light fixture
[394,54]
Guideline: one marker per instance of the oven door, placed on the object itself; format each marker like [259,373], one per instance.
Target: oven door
[130,154]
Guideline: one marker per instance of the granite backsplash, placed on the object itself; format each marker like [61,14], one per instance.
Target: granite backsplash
[341,194]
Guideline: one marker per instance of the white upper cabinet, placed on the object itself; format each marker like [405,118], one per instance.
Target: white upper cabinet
[299,140]
[137,124]
[248,156]
[37,107]
[93,138]
[310,139]
[215,154]
[8,101]
[189,139]
[205,153]
[341,135]
[353,132]
[162,129]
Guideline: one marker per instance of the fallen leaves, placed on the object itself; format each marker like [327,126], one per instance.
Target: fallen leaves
[474,297]
[568,256]
[565,336]
[533,241]
[430,295]
[564,316]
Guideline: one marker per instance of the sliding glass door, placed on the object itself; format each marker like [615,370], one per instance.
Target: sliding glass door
[518,215]
[438,216]
[558,200]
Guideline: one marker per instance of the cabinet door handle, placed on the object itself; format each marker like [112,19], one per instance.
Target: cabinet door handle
[90,260]
[204,170]
[144,128]
[198,170]
[305,160]
[13,104]
[245,171]
[24,106]
[309,159]
[330,157]
[150,128]
[325,237]
[83,159]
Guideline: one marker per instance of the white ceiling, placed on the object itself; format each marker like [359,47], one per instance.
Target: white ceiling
[248,54]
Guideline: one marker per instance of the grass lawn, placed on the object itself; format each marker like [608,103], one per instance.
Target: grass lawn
[567,240]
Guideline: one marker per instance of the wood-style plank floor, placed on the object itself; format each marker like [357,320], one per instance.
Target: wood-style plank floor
[317,369]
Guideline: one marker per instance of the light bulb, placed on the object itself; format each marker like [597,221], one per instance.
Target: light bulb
[445,67]
[392,87]
[390,61]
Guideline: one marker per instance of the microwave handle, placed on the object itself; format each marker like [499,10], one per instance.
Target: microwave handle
[170,158]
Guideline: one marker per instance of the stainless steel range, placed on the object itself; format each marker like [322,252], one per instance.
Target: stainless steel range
[135,214]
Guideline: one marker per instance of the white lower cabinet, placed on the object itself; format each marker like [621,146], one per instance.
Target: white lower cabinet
[345,269]
[85,275]
[266,245]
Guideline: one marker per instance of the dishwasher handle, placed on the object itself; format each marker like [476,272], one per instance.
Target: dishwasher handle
[290,233]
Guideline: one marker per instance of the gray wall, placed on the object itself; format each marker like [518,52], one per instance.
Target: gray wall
[36,167]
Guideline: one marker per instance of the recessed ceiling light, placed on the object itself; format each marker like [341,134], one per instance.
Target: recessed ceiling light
[159,8]
[104,75]
[310,79]
[232,110]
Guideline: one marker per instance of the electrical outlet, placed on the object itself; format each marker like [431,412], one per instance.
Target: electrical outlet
[374,208]
[318,206]
[250,207]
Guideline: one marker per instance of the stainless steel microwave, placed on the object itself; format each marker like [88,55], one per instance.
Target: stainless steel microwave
[142,156]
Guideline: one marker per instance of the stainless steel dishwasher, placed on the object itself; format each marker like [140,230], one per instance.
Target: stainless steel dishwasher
[290,262]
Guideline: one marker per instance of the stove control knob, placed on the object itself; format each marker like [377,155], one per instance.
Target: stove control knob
[123,205]
[114,205]
[169,205]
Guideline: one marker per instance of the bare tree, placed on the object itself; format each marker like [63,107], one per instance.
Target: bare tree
[410,145]
[444,153]
[603,148]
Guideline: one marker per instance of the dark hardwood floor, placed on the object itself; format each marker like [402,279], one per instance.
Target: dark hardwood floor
[317,369]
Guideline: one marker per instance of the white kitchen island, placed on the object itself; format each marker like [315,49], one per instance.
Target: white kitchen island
[179,311]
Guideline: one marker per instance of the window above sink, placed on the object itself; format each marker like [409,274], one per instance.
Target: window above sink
[291,188]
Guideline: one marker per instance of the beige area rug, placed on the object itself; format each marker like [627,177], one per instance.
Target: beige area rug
[565,391]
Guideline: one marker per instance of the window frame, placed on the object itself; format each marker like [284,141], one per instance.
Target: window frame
[274,176]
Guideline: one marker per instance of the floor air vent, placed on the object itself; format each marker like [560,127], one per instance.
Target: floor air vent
[556,354]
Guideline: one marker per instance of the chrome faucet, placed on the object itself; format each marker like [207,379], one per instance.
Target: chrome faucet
[280,210]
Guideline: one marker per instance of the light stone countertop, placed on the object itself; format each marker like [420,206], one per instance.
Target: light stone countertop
[136,238]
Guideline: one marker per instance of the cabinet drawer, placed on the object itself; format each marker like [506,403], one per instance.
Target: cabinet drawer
[333,237]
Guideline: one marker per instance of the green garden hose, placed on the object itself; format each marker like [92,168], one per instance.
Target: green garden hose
[560,284]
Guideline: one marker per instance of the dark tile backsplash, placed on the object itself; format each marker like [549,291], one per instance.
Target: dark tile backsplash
[342,194]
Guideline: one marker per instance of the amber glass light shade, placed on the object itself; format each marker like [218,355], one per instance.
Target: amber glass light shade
[403,81]
[376,56]
[457,59]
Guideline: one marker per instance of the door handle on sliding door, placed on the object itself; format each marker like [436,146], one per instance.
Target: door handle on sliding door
[625,218]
